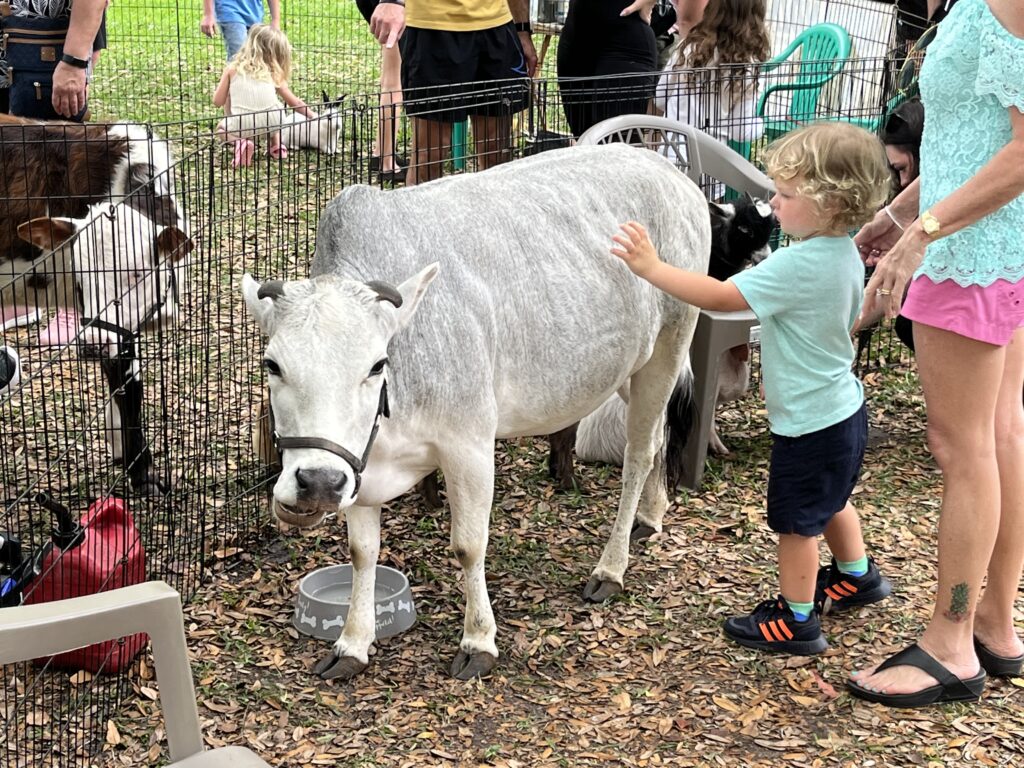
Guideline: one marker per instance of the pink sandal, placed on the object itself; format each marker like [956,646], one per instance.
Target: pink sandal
[245,150]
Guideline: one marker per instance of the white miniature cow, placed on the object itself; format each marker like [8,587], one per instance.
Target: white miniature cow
[528,325]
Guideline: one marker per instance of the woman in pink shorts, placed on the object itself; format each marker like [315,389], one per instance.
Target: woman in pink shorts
[958,234]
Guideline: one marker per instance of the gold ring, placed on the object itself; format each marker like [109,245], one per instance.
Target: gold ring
[883,292]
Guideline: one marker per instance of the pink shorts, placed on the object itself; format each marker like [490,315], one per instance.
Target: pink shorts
[990,314]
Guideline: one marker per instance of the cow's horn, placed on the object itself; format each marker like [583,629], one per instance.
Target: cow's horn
[386,292]
[272,289]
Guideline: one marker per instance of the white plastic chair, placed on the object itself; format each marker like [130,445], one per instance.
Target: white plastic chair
[45,629]
[698,155]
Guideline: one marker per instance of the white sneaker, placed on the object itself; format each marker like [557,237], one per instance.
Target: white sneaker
[10,369]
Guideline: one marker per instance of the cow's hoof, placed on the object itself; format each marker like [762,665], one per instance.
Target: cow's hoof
[467,666]
[333,667]
[641,532]
[597,591]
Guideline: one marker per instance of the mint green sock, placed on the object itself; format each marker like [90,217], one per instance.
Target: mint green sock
[801,611]
[853,568]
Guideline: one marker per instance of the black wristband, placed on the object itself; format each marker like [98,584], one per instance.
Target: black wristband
[74,61]
[524,26]
[392,2]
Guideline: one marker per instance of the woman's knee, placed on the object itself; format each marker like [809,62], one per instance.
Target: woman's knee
[959,445]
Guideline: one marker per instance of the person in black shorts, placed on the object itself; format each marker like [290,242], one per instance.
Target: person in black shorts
[461,58]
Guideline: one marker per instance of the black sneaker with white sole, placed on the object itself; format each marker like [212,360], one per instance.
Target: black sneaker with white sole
[773,627]
[837,591]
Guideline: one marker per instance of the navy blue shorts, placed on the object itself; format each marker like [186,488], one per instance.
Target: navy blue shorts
[812,476]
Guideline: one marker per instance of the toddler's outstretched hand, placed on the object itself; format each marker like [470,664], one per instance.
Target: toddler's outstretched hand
[637,249]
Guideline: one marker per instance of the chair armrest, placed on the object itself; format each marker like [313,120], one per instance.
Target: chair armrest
[45,629]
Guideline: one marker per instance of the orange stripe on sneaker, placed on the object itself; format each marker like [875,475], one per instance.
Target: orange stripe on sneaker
[785,630]
[833,593]
[849,586]
[839,589]
[775,631]
[766,633]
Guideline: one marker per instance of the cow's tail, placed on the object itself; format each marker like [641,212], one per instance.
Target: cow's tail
[680,423]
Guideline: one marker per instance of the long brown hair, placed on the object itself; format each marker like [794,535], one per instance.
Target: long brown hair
[731,32]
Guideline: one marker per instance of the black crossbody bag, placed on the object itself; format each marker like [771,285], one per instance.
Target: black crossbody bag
[30,49]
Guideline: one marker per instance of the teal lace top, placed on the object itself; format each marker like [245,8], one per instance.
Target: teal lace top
[972,74]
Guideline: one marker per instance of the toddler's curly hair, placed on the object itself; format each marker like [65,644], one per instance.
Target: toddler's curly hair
[841,167]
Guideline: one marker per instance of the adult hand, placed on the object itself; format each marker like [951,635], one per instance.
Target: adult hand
[388,23]
[529,52]
[644,7]
[208,25]
[637,249]
[876,237]
[892,274]
[69,90]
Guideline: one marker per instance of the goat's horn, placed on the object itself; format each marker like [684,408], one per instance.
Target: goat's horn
[386,292]
[272,289]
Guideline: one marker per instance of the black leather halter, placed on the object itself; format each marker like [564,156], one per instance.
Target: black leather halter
[323,444]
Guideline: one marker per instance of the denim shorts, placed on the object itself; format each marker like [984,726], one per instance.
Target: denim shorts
[234,33]
[812,476]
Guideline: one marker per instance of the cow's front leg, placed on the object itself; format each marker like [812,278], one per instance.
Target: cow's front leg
[351,652]
[469,476]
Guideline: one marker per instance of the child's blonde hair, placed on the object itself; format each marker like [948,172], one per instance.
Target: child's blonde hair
[266,54]
[841,167]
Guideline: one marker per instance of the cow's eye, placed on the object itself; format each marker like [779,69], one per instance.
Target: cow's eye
[378,367]
[272,367]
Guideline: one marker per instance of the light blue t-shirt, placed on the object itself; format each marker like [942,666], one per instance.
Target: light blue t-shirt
[807,297]
[246,12]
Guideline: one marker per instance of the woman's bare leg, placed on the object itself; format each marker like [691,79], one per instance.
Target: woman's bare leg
[961,379]
[993,621]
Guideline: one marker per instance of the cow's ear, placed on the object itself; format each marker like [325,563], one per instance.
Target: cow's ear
[412,291]
[47,233]
[173,244]
[260,302]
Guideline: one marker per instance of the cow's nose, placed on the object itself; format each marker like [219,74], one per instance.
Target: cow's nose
[322,485]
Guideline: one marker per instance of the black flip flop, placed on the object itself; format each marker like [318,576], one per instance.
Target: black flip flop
[950,687]
[998,666]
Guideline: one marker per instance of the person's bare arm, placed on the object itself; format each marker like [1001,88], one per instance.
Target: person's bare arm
[69,83]
[275,13]
[294,101]
[208,24]
[520,10]
[220,95]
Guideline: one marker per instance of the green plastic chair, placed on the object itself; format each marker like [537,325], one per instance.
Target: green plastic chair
[824,49]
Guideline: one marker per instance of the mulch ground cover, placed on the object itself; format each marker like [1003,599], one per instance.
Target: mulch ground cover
[644,680]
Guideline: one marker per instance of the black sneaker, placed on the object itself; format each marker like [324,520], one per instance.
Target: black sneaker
[837,591]
[10,369]
[772,627]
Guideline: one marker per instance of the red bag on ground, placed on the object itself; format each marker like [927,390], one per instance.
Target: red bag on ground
[110,556]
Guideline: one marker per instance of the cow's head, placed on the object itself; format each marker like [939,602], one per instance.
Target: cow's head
[115,266]
[326,363]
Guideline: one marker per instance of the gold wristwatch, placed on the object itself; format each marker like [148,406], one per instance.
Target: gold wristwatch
[930,224]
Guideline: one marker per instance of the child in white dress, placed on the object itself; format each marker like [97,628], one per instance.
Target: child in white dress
[251,91]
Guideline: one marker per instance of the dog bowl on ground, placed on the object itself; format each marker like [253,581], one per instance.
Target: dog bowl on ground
[321,607]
